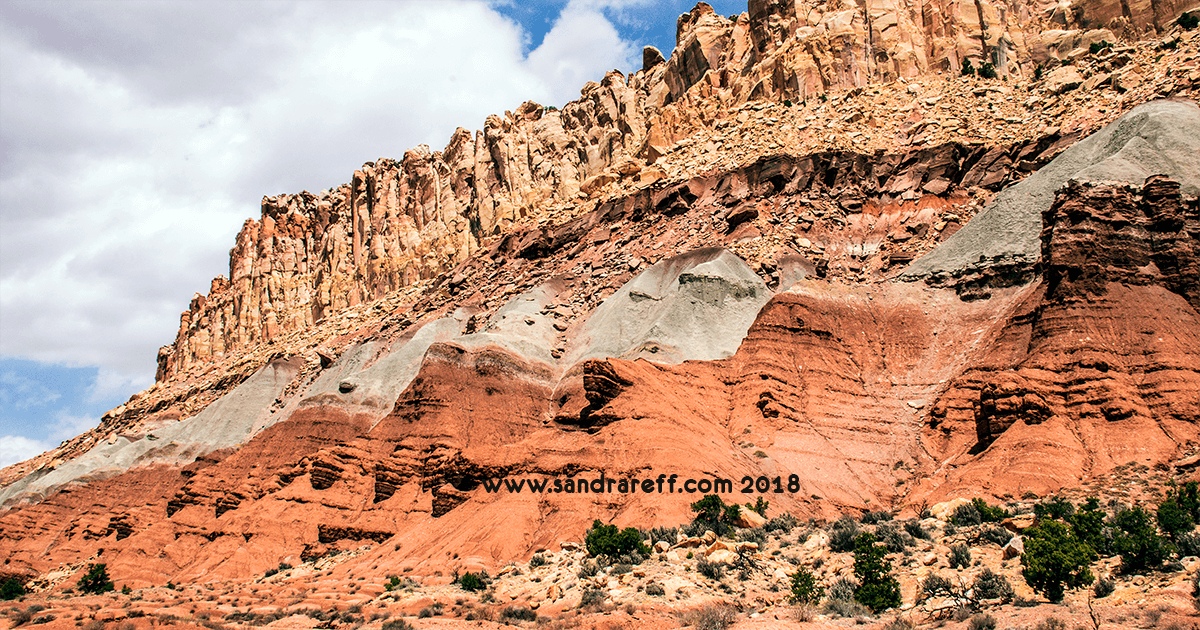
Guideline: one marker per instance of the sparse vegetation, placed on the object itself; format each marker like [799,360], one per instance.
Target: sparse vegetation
[713,514]
[711,570]
[1188,21]
[991,585]
[518,613]
[1103,588]
[784,523]
[96,580]
[538,560]
[967,68]
[960,557]
[805,589]
[981,622]
[842,534]
[711,617]
[1138,542]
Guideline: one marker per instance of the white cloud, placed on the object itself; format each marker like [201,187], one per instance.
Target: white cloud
[14,448]
[135,138]
[581,41]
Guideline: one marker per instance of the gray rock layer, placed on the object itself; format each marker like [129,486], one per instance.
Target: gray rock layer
[1162,137]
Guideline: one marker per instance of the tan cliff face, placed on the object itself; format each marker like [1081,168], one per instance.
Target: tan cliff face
[398,223]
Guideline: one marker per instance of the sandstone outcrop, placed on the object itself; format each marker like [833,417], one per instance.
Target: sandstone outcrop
[704,269]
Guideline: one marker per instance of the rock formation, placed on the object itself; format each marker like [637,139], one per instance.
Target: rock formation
[747,261]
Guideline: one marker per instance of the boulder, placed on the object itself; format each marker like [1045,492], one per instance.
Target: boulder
[1014,548]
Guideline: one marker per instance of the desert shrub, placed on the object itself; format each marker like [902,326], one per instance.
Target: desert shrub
[591,597]
[1053,508]
[760,506]
[842,589]
[967,68]
[842,534]
[914,529]
[965,515]
[1188,497]
[995,535]
[845,608]
[783,523]
[877,588]
[981,622]
[960,556]
[20,618]
[805,589]
[1103,588]
[712,513]
[987,70]
[895,539]
[754,535]
[1055,559]
[11,589]
[518,613]
[668,534]
[425,613]
[1037,73]
[711,570]
[989,513]
[1138,542]
[899,623]
[1173,519]
[609,541]
[935,585]
[1187,21]
[711,617]
[472,582]
[588,569]
[1096,47]
[397,624]
[96,580]
[656,589]
[871,518]
[991,585]
[538,560]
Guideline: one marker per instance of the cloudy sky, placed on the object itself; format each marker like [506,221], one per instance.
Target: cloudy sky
[137,136]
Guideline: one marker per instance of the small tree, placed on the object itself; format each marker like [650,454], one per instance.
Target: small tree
[472,582]
[607,540]
[712,513]
[805,589]
[96,580]
[11,589]
[1173,518]
[1088,525]
[1138,541]
[760,507]
[1055,559]
[967,68]
[877,588]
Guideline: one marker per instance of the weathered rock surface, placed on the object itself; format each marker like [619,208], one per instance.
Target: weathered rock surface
[1001,246]
[658,280]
